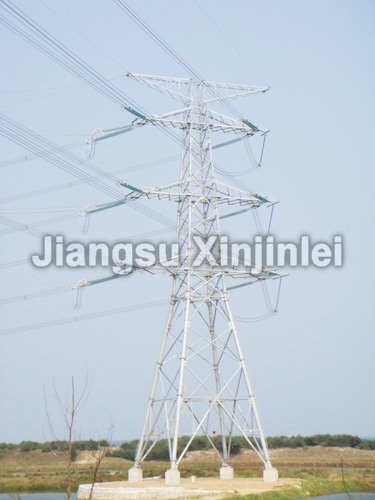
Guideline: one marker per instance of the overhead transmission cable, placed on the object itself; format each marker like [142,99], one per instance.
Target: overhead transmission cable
[40,38]
[214,23]
[34,295]
[37,36]
[29,228]
[67,185]
[30,157]
[51,152]
[97,47]
[59,53]
[84,317]
[180,60]
[134,238]
[64,89]
[45,149]
[172,53]
[165,46]
[21,227]
[35,98]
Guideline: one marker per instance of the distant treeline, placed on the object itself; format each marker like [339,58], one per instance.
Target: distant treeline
[340,440]
[160,450]
[54,445]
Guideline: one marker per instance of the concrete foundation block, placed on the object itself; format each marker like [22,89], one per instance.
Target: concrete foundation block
[226,472]
[135,475]
[172,476]
[270,475]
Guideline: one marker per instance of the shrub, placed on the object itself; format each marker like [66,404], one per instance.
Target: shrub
[8,446]
[27,446]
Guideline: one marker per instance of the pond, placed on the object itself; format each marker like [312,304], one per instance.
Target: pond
[36,496]
[62,496]
[345,496]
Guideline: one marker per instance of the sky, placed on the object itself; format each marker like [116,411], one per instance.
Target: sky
[312,364]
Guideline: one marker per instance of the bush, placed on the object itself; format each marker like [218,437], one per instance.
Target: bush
[55,446]
[160,451]
[235,448]
[200,443]
[127,450]
[366,444]
[27,446]
[8,446]
[341,440]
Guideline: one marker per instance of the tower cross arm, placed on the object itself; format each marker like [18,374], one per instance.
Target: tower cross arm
[227,91]
[176,88]
[245,271]
[223,194]
[172,87]
[209,119]
[120,270]
[237,125]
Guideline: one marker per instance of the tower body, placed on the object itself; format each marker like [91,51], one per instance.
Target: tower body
[201,385]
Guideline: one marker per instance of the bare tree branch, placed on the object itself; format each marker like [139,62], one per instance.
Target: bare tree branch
[68,411]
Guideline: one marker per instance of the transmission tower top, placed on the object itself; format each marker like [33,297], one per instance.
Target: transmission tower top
[198,95]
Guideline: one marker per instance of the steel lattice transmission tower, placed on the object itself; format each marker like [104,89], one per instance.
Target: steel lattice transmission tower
[201,381]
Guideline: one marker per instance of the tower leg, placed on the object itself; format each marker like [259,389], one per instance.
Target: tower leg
[172,476]
[226,472]
[135,475]
[270,475]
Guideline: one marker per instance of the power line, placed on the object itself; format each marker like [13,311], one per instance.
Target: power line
[65,161]
[58,52]
[54,154]
[21,227]
[97,47]
[179,59]
[229,41]
[58,187]
[30,296]
[30,157]
[41,39]
[34,34]
[29,228]
[166,46]
[133,238]
[83,317]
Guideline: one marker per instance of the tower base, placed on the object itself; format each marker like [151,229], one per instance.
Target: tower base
[135,475]
[172,476]
[270,475]
[226,472]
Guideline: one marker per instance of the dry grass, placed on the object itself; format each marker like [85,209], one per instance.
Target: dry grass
[47,471]
[316,456]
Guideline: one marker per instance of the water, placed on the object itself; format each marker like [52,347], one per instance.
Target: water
[320,467]
[62,496]
[36,496]
[344,496]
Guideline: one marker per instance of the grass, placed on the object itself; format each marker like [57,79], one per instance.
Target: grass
[46,472]
[317,482]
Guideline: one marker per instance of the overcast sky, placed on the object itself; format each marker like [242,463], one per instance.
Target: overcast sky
[312,364]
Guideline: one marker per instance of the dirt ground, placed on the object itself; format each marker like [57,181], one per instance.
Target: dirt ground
[203,488]
[37,471]
[215,489]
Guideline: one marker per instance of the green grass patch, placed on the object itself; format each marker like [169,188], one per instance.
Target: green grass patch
[316,482]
